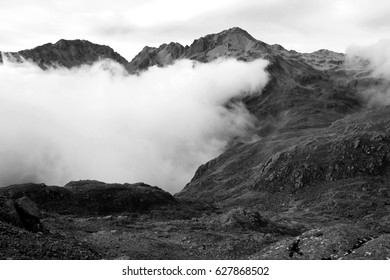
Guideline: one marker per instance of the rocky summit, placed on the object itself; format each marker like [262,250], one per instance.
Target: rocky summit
[65,53]
[313,185]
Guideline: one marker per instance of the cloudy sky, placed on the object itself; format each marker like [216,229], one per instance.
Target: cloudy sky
[129,25]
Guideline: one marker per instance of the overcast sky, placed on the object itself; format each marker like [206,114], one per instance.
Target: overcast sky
[129,25]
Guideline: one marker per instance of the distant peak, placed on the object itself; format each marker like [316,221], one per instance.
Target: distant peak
[65,42]
[237,30]
[322,51]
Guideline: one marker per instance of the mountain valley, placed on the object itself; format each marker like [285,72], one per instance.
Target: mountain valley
[311,183]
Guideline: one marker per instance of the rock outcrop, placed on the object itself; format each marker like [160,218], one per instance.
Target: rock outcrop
[22,212]
[164,55]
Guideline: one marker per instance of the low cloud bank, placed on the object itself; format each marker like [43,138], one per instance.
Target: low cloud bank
[97,122]
[376,59]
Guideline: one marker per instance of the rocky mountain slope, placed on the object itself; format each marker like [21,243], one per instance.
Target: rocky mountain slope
[313,186]
[65,53]
[305,91]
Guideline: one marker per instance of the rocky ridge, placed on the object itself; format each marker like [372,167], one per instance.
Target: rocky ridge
[65,53]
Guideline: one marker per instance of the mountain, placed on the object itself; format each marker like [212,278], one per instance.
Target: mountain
[66,53]
[306,90]
[164,55]
[314,185]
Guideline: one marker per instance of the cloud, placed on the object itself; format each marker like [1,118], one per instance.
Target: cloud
[97,122]
[377,54]
[375,61]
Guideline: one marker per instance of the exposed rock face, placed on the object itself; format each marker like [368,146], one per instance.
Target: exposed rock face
[67,53]
[233,42]
[164,55]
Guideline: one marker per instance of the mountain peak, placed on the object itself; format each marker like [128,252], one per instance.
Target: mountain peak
[234,42]
[68,53]
[75,42]
[237,31]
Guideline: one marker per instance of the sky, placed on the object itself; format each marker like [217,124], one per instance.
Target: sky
[129,25]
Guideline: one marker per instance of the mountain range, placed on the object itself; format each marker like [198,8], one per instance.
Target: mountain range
[315,185]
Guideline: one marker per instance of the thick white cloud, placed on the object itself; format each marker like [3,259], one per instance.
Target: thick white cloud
[96,122]
[376,58]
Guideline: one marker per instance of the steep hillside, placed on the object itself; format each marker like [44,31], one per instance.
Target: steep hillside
[341,170]
[305,115]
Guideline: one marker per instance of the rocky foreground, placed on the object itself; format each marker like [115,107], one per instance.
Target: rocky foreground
[94,220]
[315,184]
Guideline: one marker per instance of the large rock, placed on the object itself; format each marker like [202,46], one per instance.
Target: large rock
[29,213]
[8,212]
[250,219]
[22,212]
[48,198]
[28,207]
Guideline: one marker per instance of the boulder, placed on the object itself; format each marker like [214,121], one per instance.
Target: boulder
[28,213]
[250,219]
[8,212]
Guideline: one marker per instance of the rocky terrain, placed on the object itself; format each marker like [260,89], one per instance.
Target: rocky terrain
[315,185]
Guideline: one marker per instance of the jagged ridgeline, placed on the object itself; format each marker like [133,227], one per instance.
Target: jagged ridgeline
[314,185]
